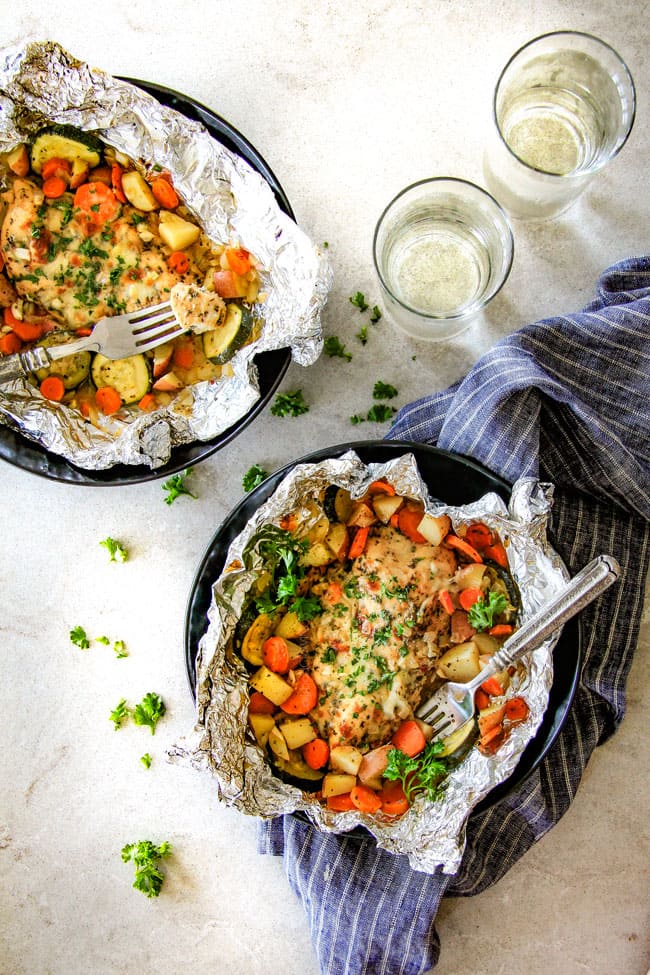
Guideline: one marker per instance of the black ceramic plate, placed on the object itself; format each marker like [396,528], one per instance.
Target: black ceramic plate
[271,366]
[450,478]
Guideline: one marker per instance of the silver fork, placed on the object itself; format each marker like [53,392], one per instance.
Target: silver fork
[115,337]
[453,705]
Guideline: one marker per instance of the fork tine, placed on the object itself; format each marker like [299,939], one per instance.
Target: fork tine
[145,313]
[163,334]
[164,318]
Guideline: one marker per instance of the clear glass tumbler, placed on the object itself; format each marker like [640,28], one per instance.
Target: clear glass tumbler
[442,249]
[563,107]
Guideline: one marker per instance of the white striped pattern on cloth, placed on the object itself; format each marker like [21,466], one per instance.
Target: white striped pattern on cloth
[568,400]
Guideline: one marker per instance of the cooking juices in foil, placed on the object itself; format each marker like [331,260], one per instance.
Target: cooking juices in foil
[431,834]
[41,84]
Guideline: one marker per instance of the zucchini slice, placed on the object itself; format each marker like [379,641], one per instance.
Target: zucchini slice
[221,343]
[73,369]
[65,142]
[131,377]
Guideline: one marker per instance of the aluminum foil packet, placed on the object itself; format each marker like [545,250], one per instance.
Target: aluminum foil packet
[431,834]
[40,84]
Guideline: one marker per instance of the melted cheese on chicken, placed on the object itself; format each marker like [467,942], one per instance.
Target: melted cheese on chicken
[78,278]
[378,637]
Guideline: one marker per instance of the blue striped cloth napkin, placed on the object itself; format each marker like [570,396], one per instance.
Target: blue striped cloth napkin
[567,400]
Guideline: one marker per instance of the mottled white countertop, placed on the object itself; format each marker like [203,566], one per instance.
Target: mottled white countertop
[348,104]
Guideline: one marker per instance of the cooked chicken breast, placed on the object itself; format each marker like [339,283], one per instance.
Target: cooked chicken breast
[78,278]
[378,638]
[195,309]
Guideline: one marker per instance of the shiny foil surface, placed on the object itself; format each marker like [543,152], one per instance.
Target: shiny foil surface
[41,84]
[430,834]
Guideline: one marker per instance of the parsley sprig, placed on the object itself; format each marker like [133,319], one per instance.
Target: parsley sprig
[281,551]
[146,856]
[426,772]
[116,551]
[290,404]
[334,348]
[149,711]
[254,477]
[481,615]
[175,486]
[79,637]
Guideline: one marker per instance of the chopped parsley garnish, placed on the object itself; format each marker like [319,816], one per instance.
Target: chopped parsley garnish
[306,608]
[79,637]
[362,334]
[146,760]
[359,301]
[336,349]
[175,486]
[120,649]
[120,713]
[381,413]
[115,549]
[91,250]
[482,613]
[375,315]
[329,656]
[357,418]
[146,855]
[383,390]
[254,477]
[425,772]
[149,711]
[289,404]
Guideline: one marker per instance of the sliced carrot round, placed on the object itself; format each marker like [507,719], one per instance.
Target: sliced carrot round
[116,182]
[164,193]
[108,400]
[52,388]
[393,799]
[56,167]
[10,343]
[453,541]
[304,696]
[467,597]
[54,187]
[238,260]
[183,354]
[478,535]
[148,402]
[275,654]
[409,738]
[381,487]
[358,544]
[341,803]
[408,519]
[497,553]
[365,799]
[178,262]
[316,753]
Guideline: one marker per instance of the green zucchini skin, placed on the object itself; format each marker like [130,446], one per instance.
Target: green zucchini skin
[131,377]
[65,142]
[73,369]
[220,344]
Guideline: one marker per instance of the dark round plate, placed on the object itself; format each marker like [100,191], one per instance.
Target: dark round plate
[271,366]
[450,478]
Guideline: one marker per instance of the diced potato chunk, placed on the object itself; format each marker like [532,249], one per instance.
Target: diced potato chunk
[342,504]
[435,527]
[486,644]
[346,758]
[177,233]
[361,515]
[137,191]
[271,685]
[335,784]
[470,576]
[318,531]
[290,627]
[261,725]
[337,540]
[297,733]
[386,505]
[18,160]
[460,663]
[277,744]
[317,554]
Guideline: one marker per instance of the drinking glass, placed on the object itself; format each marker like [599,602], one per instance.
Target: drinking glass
[563,107]
[442,249]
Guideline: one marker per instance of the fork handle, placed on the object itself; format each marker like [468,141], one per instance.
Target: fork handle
[589,583]
[21,364]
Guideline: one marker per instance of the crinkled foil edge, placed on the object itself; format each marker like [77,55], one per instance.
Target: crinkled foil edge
[40,83]
[431,835]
